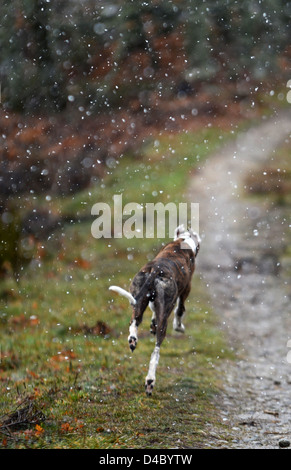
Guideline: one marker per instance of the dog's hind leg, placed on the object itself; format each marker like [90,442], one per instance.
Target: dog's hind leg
[136,320]
[163,305]
[151,377]
[138,309]
[179,312]
[162,321]
[178,315]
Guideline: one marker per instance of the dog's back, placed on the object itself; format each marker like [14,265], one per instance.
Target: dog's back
[172,262]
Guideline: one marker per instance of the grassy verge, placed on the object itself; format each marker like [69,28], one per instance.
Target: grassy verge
[64,338]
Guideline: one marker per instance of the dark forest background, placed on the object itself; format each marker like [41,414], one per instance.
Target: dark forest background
[100,54]
[84,82]
[73,67]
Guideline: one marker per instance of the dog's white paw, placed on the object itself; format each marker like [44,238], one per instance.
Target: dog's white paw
[178,326]
[149,385]
[132,340]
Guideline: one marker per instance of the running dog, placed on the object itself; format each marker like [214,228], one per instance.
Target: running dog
[162,284]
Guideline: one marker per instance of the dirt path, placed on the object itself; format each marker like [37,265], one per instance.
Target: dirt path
[243,240]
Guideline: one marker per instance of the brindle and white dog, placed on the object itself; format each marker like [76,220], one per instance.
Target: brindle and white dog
[162,283]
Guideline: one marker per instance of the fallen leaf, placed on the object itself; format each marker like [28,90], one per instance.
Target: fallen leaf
[39,430]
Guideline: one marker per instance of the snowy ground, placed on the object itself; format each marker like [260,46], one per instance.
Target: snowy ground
[243,240]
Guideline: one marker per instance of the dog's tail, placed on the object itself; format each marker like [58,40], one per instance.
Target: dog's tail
[144,296]
[123,292]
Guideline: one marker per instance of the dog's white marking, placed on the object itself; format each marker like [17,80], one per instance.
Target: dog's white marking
[153,365]
[190,238]
[132,337]
[190,242]
[151,305]
[133,330]
[123,292]
[180,229]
